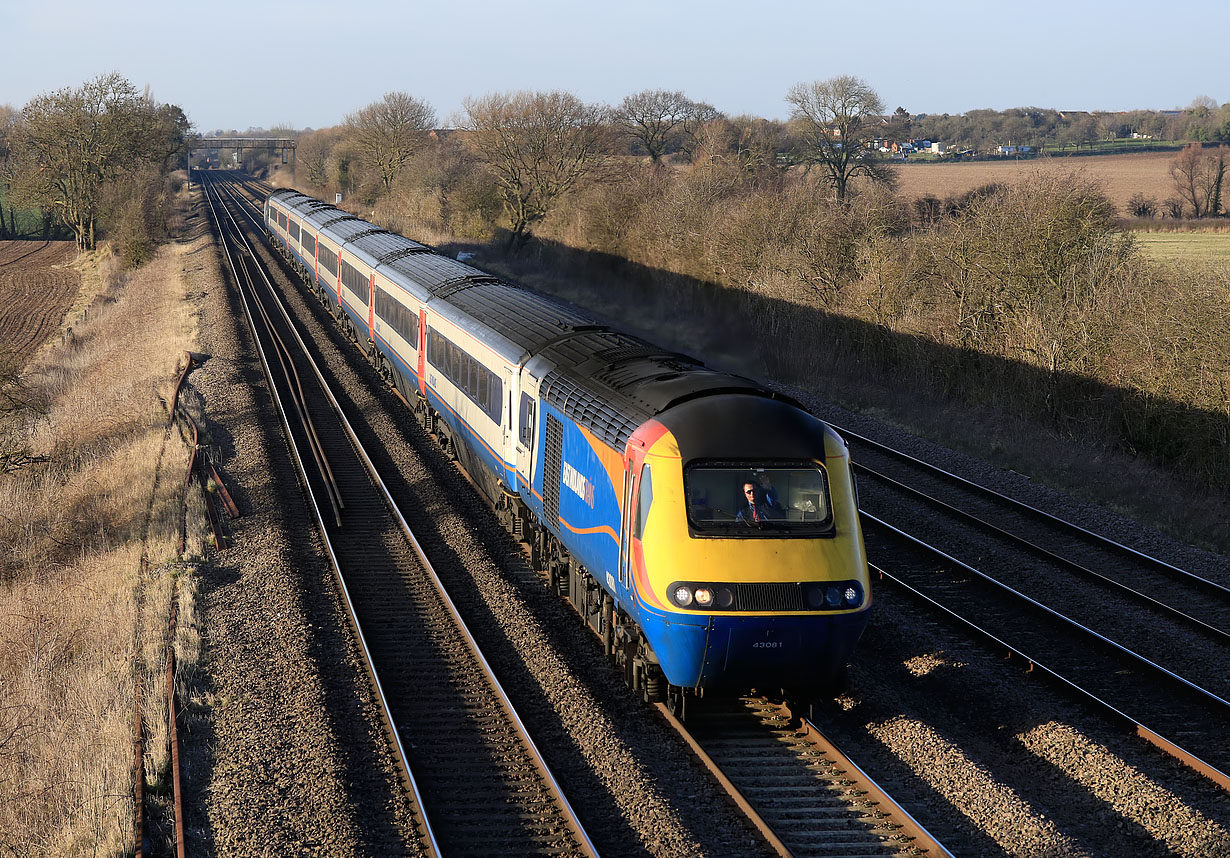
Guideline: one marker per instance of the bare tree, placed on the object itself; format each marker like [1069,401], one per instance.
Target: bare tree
[73,142]
[697,119]
[658,119]
[388,132]
[538,145]
[1198,176]
[312,154]
[837,119]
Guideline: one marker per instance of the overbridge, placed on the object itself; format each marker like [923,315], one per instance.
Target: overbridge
[273,144]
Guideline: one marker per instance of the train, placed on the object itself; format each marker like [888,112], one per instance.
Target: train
[705,526]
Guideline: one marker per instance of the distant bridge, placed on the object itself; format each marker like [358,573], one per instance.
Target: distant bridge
[244,143]
[282,144]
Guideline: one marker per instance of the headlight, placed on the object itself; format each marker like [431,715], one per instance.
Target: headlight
[815,596]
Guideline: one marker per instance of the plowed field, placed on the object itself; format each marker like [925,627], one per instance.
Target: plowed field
[1121,176]
[35,293]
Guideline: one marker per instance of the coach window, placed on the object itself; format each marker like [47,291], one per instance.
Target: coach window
[527,420]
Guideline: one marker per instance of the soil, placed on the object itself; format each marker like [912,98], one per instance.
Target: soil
[38,289]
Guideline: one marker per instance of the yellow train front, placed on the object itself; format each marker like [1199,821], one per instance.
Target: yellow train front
[745,550]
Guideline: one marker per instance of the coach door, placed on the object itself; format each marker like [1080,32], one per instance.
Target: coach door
[421,345]
[526,413]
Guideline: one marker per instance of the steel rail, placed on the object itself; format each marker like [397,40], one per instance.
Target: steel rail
[472,643]
[431,844]
[740,800]
[832,835]
[1174,749]
[291,373]
[1132,593]
[506,703]
[1106,542]
[920,837]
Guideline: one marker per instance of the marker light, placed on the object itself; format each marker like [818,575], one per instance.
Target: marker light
[683,596]
[704,596]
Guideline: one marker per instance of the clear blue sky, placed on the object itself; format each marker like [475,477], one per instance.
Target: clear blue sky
[308,63]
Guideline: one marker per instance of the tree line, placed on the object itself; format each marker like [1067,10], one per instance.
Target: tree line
[1203,121]
[1026,294]
[510,157]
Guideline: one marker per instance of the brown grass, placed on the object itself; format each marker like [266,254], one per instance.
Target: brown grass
[1120,176]
[76,616]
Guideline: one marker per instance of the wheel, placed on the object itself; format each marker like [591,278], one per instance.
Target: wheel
[677,702]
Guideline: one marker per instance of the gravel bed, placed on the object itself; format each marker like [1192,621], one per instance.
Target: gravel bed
[996,761]
[1157,636]
[284,752]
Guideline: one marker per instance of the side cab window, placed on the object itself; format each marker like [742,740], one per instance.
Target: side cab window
[645,501]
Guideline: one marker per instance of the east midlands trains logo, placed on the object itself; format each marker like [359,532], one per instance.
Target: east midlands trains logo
[580,486]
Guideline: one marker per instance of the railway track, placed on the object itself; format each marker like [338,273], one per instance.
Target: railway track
[478,782]
[1143,639]
[807,797]
[821,805]
[1179,716]
[1194,599]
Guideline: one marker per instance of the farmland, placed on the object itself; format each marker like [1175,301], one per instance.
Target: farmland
[1186,246]
[1121,176]
[38,289]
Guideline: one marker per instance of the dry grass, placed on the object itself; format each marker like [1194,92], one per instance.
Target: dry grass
[1121,176]
[76,615]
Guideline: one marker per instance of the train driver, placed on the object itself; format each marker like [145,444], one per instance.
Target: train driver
[759,504]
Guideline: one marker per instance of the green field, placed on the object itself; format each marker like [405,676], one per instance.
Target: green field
[1192,246]
[29,224]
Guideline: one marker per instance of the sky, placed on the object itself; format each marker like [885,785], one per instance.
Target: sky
[242,64]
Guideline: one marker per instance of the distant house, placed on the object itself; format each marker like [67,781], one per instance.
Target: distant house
[938,148]
[1014,150]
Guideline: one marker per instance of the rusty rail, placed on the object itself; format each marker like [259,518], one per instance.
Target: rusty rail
[173,723]
[199,466]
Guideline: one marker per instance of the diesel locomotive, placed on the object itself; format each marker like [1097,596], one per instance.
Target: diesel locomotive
[705,526]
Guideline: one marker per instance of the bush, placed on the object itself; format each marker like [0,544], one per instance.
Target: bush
[1142,206]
